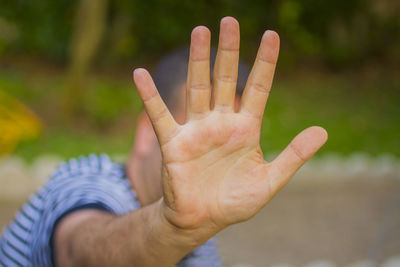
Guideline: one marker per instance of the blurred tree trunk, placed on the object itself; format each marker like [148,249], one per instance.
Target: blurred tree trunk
[89,26]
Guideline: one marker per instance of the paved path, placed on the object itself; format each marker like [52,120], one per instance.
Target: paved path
[342,222]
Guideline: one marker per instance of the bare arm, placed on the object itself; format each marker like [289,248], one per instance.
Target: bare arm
[140,238]
[214,173]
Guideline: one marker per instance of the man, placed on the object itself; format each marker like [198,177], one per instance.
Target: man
[213,173]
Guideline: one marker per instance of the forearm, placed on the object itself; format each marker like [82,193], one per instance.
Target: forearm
[141,238]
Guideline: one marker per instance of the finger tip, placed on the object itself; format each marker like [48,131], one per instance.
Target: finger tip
[272,39]
[229,33]
[229,20]
[271,34]
[138,72]
[319,133]
[140,77]
[312,139]
[201,29]
[230,25]
[309,141]
[201,33]
[269,48]
[200,43]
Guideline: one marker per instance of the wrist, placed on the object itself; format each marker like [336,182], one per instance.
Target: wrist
[180,235]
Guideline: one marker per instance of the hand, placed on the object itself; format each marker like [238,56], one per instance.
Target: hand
[214,173]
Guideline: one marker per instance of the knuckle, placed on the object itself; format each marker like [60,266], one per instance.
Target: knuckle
[200,87]
[225,78]
[259,87]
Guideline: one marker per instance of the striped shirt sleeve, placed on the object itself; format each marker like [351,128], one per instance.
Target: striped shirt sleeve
[78,183]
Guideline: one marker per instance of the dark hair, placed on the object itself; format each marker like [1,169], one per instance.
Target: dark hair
[171,71]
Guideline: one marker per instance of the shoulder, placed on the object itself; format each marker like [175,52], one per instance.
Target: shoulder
[92,179]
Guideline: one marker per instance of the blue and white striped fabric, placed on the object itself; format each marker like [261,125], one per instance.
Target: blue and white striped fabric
[87,182]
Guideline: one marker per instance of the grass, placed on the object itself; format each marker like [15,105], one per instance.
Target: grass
[358,117]
[361,114]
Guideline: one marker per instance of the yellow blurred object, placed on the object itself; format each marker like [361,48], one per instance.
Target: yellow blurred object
[17,123]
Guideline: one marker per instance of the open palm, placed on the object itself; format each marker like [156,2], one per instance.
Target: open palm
[214,173]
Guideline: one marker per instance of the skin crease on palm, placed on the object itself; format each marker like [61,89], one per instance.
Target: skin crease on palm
[214,173]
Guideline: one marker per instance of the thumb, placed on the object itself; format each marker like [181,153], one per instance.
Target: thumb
[301,149]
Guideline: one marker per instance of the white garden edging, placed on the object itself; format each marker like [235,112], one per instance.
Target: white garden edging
[19,179]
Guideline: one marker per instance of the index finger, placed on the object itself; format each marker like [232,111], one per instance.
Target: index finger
[164,124]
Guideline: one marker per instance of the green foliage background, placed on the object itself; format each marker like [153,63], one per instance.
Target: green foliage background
[338,33]
[338,68]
